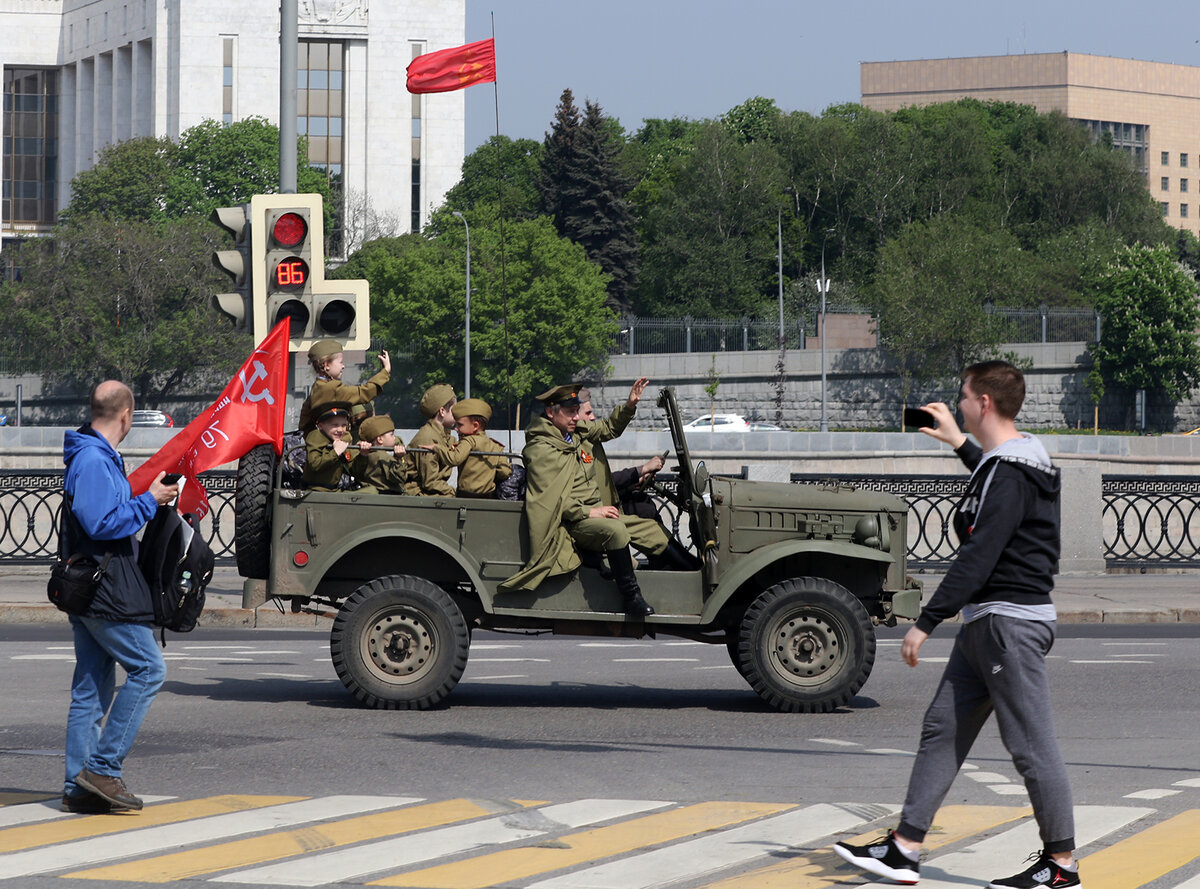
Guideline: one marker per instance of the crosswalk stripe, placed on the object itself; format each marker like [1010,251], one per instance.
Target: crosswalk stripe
[1193,883]
[346,864]
[284,844]
[255,815]
[16,797]
[707,854]
[72,829]
[46,810]
[1000,856]
[1135,861]
[511,865]
[816,870]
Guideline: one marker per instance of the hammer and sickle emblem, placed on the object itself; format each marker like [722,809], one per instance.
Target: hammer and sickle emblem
[260,373]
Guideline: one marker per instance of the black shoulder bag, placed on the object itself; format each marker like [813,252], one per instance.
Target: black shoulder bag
[74,579]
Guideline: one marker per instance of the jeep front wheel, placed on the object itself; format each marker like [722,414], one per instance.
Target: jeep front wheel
[806,645]
[399,643]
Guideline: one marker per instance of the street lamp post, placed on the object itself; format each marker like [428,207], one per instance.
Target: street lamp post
[823,286]
[779,234]
[467,338]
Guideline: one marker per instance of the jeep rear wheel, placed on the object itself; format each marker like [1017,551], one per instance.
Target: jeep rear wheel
[252,512]
[399,643]
[806,645]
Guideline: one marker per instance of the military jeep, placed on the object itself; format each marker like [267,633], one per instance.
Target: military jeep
[794,579]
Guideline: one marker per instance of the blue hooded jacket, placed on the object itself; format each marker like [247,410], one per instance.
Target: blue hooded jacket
[110,518]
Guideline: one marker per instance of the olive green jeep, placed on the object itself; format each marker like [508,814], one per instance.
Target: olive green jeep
[794,579]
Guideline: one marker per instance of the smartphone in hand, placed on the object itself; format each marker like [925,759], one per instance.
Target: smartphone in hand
[171,478]
[918,418]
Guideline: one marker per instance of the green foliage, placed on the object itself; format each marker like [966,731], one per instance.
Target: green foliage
[130,180]
[123,299]
[557,323]
[932,290]
[1151,316]
[754,120]
[501,170]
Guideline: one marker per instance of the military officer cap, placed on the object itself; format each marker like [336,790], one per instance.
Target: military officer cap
[373,427]
[565,395]
[436,398]
[324,349]
[472,407]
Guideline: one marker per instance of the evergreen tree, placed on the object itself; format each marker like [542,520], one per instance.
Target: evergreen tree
[557,164]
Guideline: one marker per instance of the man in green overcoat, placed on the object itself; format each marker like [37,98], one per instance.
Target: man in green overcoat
[563,505]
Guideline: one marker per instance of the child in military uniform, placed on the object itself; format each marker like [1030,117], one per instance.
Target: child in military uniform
[477,475]
[358,414]
[429,474]
[328,363]
[328,449]
[380,471]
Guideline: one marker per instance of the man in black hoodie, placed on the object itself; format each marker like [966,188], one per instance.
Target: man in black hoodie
[1008,527]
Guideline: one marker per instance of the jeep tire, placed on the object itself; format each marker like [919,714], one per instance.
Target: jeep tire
[806,645]
[399,643]
[252,512]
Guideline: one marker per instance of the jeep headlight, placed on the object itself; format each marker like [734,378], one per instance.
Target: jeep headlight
[866,532]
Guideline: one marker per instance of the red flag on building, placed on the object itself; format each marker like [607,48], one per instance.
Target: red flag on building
[453,69]
[248,413]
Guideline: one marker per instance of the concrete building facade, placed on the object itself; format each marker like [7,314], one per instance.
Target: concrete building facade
[1150,109]
[79,75]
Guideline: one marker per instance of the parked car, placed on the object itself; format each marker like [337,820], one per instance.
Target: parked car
[728,423]
[152,418]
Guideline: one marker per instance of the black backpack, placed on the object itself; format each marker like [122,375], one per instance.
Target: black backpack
[177,563]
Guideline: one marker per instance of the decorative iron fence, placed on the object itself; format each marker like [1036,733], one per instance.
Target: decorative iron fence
[1151,520]
[31,502]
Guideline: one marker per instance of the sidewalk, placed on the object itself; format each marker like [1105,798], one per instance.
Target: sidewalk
[1080,599]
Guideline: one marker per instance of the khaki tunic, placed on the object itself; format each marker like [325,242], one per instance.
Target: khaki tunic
[477,476]
[324,391]
[380,472]
[428,475]
[591,435]
[323,467]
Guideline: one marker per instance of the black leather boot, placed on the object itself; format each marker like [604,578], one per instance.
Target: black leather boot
[589,558]
[621,563]
[674,558]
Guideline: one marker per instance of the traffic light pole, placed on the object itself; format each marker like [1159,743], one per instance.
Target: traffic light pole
[289,39]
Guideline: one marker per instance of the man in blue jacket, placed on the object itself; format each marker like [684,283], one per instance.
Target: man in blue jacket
[117,627]
[1008,527]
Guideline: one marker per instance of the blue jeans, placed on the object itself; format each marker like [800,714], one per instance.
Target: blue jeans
[93,743]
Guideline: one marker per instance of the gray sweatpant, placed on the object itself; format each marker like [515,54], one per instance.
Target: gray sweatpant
[998,663]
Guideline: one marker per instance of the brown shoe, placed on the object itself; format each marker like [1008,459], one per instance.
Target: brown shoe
[108,787]
[85,803]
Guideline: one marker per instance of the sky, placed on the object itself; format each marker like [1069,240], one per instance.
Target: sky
[697,59]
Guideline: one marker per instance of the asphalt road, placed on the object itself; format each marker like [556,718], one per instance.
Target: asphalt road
[561,719]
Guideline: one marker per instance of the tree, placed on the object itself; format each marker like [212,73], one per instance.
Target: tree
[1148,340]
[130,180]
[557,177]
[553,326]
[122,299]
[932,289]
[504,171]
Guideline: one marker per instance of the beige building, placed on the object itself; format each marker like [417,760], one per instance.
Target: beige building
[1150,109]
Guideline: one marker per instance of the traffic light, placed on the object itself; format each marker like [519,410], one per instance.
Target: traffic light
[289,248]
[237,263]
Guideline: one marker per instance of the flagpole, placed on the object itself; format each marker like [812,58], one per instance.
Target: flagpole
[503,263]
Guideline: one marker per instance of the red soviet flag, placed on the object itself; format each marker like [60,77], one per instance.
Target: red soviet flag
[248,413]
[453,69]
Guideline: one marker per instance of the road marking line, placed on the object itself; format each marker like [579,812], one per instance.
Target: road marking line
[1152,793]
[773,836]
[818,870]
[834,741]
[989,777]
[1122,663]
[1146,856]
[509,660]
[655,660]
[23,843]
[271,847]
[999,856]
[890,751]
[346,864]
[469,678]
[1187,782]
[45,809]
[512,865]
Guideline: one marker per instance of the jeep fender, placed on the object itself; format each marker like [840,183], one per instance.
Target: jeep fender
[763,558]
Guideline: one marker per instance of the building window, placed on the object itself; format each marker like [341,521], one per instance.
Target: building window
[1166,158]
[1183,211]
[30,152]
[1132,138]
[1183,159]
[227,80]
[1166,183]
[415,210]
[1183,186]
[1166,208]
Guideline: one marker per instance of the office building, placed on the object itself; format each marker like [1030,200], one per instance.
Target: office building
[1150,109]
[79,75]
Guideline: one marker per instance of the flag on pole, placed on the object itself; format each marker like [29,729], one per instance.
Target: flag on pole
[249,412]
[453,69]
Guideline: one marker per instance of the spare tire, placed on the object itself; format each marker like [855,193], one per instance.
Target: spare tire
[252,512]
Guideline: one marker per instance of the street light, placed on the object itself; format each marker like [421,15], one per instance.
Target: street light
[467,339]
[779,234]
[823,286]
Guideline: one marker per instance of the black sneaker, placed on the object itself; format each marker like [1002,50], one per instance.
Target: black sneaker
[882,858]
[85,803]
[1042,874]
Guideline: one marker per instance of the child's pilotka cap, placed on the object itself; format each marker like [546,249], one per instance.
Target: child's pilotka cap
[324,349]
[373,427]
[436,398]
[472,407]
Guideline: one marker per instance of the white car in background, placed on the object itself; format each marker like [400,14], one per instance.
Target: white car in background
[727,423]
